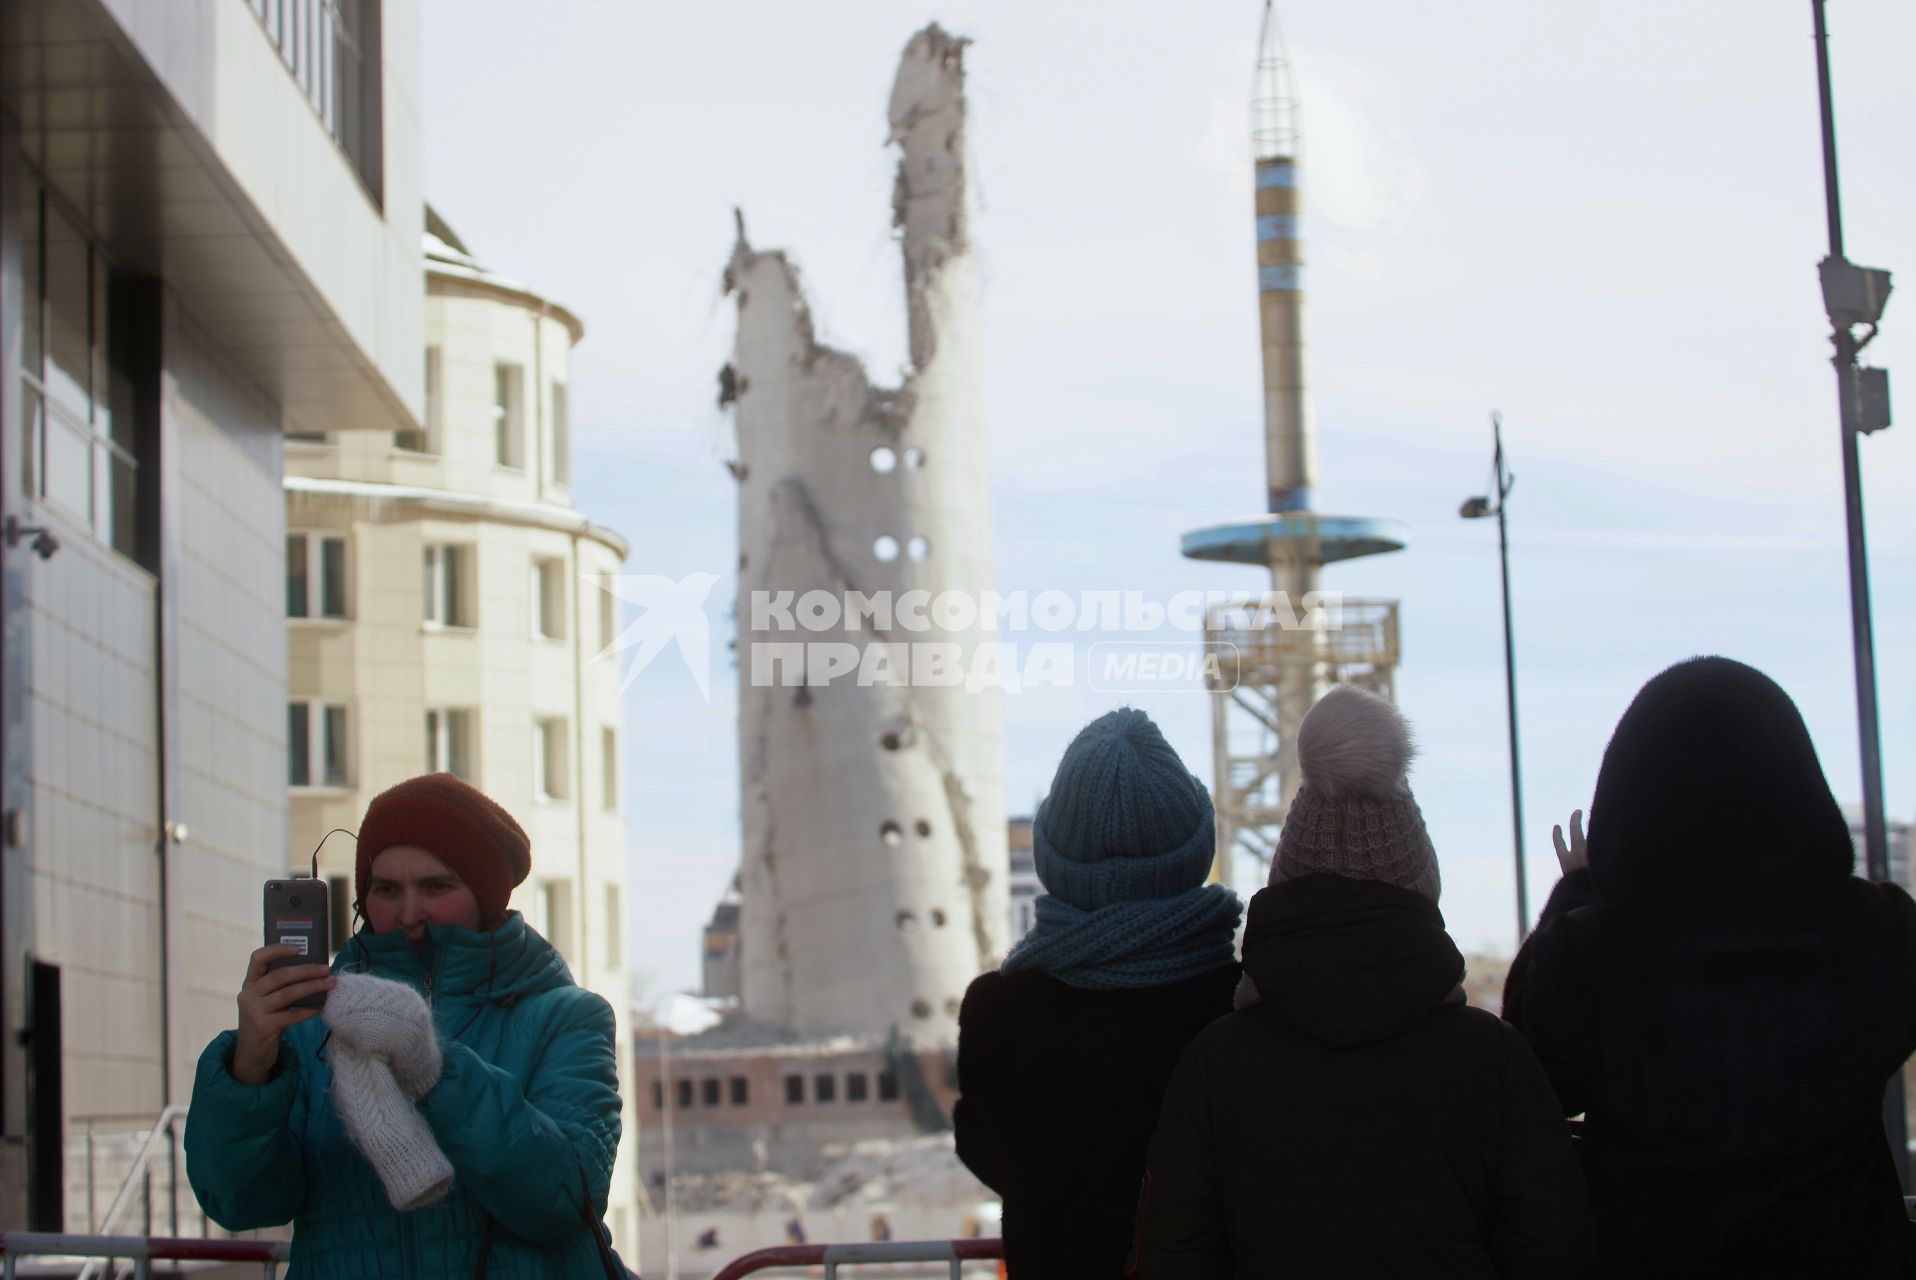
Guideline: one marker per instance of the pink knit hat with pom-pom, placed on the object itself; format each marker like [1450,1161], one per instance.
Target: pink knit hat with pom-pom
[1353,815]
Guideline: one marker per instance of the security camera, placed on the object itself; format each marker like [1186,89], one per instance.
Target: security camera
[1852,295]
[44,544]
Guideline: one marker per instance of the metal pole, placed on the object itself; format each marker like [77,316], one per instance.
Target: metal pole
[1510,685]
[1875,832]
[1833,204]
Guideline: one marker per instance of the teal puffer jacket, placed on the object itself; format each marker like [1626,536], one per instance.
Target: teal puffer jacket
[527,1112]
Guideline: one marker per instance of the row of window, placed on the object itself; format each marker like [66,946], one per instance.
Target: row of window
[331,47]
[736,1090]
[317,586]
[508,417]
[319,750]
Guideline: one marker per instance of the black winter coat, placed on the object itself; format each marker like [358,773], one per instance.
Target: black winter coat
[1730,1057]
[1060,1088]
[1361,1121]
[1722,1000]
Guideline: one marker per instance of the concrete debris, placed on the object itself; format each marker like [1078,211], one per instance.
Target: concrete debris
[923,1171]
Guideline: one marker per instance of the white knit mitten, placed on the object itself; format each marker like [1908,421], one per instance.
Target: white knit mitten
[389,1021]
[388,1130]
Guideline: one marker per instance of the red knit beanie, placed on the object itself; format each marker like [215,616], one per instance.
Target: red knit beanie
[456,823]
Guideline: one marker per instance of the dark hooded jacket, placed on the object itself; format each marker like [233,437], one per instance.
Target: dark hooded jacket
[1060,1089]
[1722,1000]
[1361,1120]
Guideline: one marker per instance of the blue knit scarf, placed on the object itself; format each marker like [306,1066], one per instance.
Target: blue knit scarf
[1145,943]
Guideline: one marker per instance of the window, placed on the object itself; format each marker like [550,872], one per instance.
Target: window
[685,1093]
[87,342]
[333,747]
[794,1090]
[887,1086]
[739,1095]
[448,585]
[331,48]
[824,1087]
[449,741]
[509,415]
[614,928]
[547,584]
[556,900]
[609,767]
[299,744]
[856,1083]
[424,438]
[297,575]
[561,436]
[315,561]
[608,612]
[709,1092]
[317,747]
[550,773]
[332,577]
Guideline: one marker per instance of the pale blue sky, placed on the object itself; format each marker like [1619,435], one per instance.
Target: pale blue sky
[1603,221]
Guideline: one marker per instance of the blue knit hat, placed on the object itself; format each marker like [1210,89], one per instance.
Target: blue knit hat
[1125,819]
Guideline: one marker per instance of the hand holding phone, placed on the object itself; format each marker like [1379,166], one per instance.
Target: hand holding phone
[270,1000]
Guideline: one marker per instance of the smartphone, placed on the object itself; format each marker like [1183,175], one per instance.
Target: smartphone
[298,915]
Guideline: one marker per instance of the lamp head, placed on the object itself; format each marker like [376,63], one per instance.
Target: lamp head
[1474,508]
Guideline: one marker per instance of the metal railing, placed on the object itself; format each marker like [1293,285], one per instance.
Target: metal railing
[834,1256]
[137,1176]
[142,1251]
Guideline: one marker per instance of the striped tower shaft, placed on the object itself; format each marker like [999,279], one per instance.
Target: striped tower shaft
[1290,462]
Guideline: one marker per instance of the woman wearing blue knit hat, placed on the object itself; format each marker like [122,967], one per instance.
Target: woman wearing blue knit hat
[1064,1053]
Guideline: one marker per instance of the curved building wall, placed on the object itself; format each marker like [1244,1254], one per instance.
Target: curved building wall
[873,813]
[451,650]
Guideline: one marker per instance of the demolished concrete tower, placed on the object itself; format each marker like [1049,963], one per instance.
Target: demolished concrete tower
[872,884]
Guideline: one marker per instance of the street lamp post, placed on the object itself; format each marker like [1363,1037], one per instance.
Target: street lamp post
[1473,509]
[1853,297]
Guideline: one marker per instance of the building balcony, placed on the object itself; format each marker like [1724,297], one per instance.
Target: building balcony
[268,177]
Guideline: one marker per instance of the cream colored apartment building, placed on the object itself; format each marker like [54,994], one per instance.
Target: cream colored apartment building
[445,603]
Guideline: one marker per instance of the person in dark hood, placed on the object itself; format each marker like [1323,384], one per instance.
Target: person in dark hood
[1354,1117]
[1063,1054]
[1721,999]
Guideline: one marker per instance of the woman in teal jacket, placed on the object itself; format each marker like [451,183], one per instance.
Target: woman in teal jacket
[526,1105]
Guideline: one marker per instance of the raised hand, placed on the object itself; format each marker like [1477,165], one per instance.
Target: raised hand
[266,1002]
[1574,856]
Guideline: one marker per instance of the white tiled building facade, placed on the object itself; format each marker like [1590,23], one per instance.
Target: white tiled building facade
[444,606]
[210,221]
[1897,832]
